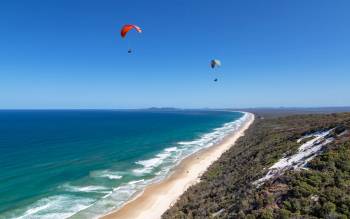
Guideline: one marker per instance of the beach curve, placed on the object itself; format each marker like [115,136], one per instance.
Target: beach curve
[158,197]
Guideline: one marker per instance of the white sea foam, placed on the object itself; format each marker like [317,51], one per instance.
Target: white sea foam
[171,149]
[214,137]
[116,198]
[55,207]
[99,189]
[136,182]
[113,175]
[150,164]
[34,210]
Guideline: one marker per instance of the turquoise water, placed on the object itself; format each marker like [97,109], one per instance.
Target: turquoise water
[58,164]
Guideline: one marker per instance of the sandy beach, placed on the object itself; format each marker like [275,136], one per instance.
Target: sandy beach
[158,197]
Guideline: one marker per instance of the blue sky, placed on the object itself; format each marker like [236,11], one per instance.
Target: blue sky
[68,53]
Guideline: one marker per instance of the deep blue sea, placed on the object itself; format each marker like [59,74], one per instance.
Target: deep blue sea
[84,163]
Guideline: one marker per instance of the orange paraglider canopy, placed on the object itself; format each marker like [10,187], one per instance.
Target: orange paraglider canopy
[127,27]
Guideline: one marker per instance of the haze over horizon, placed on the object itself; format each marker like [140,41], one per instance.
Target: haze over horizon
[69,54]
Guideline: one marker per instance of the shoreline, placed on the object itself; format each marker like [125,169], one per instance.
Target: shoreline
[156,198]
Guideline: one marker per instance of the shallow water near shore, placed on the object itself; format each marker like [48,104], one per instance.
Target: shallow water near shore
[59,164]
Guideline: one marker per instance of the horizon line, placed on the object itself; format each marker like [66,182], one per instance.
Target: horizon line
[185,108]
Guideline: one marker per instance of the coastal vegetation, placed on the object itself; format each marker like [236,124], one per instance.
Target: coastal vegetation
[321,190]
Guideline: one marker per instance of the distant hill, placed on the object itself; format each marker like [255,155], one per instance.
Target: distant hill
[318,188]
[162,109]
[285,111]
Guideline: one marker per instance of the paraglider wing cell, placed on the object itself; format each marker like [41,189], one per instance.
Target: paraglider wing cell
[215,63]
[127,27]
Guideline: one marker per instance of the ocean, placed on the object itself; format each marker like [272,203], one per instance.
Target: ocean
[85,163]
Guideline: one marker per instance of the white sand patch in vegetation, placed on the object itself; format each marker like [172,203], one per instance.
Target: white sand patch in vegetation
[306,152]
